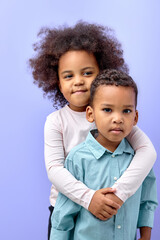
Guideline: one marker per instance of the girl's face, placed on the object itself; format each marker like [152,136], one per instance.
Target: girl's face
[77,70]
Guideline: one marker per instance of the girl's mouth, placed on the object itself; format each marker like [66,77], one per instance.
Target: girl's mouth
[79,91]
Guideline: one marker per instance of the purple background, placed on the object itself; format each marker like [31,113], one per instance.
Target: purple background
[24,187]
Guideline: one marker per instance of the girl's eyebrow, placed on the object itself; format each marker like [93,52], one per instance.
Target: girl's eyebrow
[87,68]
[67,71]
[83,69]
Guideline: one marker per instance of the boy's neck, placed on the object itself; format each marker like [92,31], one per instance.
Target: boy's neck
[111,146]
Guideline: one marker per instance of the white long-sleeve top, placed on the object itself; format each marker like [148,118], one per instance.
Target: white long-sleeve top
[66,128]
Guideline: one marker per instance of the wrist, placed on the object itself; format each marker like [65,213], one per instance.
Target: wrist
[145,233]
[114,198]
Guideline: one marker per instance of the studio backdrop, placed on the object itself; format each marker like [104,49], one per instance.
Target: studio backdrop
[24,186]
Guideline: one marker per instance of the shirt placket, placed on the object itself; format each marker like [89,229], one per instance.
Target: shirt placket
[114,169]
[119,225]
[115,174]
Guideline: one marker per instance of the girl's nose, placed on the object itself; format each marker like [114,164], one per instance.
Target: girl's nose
[79,80]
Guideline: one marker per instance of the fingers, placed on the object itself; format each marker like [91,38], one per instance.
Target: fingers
[109,211]
[101,217]
[105,210]
[104,215]
[111,203]
[107,190]
[102,206]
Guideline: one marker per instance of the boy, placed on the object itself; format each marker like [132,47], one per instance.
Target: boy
[101,160]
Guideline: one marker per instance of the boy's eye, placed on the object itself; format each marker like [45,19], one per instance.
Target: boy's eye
[107,110]
[127,110]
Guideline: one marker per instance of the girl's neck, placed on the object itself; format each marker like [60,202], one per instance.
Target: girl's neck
[77,109]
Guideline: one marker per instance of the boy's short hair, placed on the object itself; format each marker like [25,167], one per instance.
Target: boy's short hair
[54,42]
[112,77]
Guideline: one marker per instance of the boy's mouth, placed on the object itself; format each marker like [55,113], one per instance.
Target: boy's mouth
[116,130]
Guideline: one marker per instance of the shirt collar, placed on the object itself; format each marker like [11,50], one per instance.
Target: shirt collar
[98,150]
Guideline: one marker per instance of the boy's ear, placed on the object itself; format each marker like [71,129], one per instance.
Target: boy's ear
[89,114]
[136,118]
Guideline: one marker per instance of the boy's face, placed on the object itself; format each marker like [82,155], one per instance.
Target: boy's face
[114,114]
[77,70]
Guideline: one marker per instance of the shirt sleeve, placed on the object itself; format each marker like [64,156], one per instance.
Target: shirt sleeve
[148,201]
[65,212]
[63,218]
[59,176]
[141,164]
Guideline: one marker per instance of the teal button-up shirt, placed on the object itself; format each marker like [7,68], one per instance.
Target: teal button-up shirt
[98,168]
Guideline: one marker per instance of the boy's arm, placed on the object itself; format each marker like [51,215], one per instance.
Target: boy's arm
[63,217]
[145,233]
[65,211]
[147,206]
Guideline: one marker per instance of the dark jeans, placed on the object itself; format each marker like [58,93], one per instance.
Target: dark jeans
[51,208]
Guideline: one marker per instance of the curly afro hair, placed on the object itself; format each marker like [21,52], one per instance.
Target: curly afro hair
[112,77]
[93,38]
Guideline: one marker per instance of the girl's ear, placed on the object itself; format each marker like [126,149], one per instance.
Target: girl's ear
[136,118]
[89,114]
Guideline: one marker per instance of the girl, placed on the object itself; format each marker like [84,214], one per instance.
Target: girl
[67,61]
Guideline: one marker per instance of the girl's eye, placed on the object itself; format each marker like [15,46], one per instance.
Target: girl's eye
[108,110]
[68,76]
[127,111]
[87,73]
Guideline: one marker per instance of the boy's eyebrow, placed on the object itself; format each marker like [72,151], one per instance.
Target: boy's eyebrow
[111,105]
[131,106]
[107,105]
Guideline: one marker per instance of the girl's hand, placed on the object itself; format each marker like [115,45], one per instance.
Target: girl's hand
[104,207]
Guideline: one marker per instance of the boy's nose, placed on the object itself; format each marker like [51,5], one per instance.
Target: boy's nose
[118,119]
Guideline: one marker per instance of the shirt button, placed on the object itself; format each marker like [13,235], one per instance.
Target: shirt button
[113,155]
[115,178]
[119,226]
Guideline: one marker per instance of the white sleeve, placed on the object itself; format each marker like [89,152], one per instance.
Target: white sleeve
[141,164]
[59,176]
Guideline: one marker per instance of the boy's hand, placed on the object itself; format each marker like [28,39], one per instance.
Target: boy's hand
[145,233]
[103,204]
